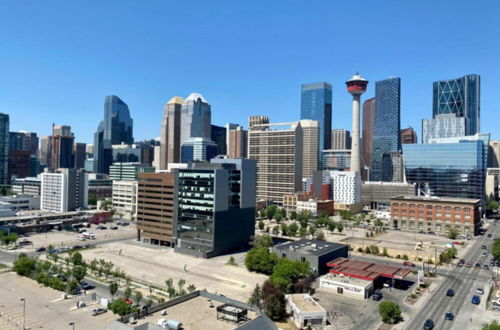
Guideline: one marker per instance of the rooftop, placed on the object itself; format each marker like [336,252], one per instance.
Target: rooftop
[312,247]
[436,199]
[305,303]
[347,279]
[365,270]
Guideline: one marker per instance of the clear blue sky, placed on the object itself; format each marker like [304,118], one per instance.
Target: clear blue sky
[59,59]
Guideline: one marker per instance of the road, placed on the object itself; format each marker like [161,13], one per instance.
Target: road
[464,281]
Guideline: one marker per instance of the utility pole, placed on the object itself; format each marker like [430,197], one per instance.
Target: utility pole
[24,313]
[73,325]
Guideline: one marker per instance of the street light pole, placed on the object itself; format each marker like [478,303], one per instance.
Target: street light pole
[24,312]
[73,325]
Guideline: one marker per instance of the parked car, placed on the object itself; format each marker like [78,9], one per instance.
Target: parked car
[428,324]
[489,235]
[480,290]
[449,316]
[468,264]
[377,295]
[476,300]
[409,264]
[41,249]
[450,293]
[483,247]
[113,227]
[86,286]
[98,311]
[486,267]
[477,265]
[126,224]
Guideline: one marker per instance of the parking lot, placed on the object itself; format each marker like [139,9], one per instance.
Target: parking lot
[155,265]
[68,238]
[44,307]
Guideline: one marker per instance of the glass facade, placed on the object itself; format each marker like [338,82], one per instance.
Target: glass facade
[459,96]
[336,160]
[4,148]
[387,126]
[116,128]
[316,104]
[447,169]
[442,126]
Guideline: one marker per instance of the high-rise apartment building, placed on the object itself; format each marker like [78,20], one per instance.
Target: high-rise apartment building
[341,139]
[459,96]
[237,143]
[156,208]
[117,127]
[64,190]
[387,127]
[367,131]
[443,126]
[124,198]
[219,136]
[170,137]
[216,206]
[408,136]
[196,118]
[4,148]
[310,146]
[257,120]
[346,187]
[198,149]
[277,149]
[316,104]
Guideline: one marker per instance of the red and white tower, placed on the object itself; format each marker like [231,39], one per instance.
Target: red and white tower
[356,86]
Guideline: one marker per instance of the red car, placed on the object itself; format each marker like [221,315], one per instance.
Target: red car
[409,264]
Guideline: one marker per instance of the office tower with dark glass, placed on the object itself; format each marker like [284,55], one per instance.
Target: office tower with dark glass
[387,127]
[196,117]
[219,136]
[459,96]
[4,148]
[216,206]
[170,136]
[367,131]
[117,127]
[316,104]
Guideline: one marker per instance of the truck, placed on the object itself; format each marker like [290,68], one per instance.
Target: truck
[88,235]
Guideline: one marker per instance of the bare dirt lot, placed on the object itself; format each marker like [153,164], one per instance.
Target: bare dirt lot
[155,265]
[44,307]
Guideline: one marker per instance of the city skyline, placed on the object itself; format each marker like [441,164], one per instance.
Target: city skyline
[149,71]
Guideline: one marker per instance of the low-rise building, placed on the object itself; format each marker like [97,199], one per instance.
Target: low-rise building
[316,207]
[128,171]
[305,310]
[100,186]
[436,214]
[27,186]
[316,252]
[125,198]
[290,200]
[346,285]
[21,202]
[377,194]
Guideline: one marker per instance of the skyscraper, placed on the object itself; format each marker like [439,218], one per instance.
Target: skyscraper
[387,127]
[316,104]
[61,147]
[45,151]
[219,136]
[237,143]
[196,117]
[443,126]
[368,123]
[170,136]
[257,120]
[24,141]
[460,96]
[341,139]
[4,148]
[198,149]
[80,154]
[117,127]
[310,147]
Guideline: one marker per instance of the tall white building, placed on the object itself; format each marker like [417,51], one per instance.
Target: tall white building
[346,187]
[125,198]
[64,190]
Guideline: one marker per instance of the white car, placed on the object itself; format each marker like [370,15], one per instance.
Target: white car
[81,238]
[480,291]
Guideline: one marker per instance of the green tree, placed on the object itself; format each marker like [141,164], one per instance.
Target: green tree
[149,303]
[79,273]
[127,293]
[273,301]
[262,213]
[138,297]
[389,311]
[255,297]
[276,230]
[293,229]
[302,232]
[170,288]
[331,226]
[287,272]
[261,225]
[453,233]
[181,284]
[346,215]
[320,235]
[113,288]
[261,260]
[262,241]
[121,307]
[312,230]
[278,217]
[492,326]
[24,265]
[495,250]
[71,286]
[284,229]
[293,215]
[340,226]
[492,206]
[191,288]
[76,258]
[378,223]
[271,211]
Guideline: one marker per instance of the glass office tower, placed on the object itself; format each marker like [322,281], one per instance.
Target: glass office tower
[316,104]
[116,128]
[387,126]
[4,148]
[447,169]
[460,96]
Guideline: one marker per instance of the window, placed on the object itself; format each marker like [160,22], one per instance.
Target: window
[429,207]
[467,209]
[448,208]
[457,209]
[412,205]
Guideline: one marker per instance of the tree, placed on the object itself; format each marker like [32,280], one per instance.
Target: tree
[453,233]
[492,206]
[170,288]
[312,229]
[276,230]
[261,260]
[138,297]
[255,297]
[273,301]
[389,311]
[24,265]
[287,272]
[262,241]
[262,213]
[293,215]
[191,288]
[495,250]
[271,211]
[331,226]
[340,226]
[278,217]
[293,229]
[76,258]
[320,235]
[181,284]
[113,288]
[261,225]
[378,223]
[346,215]
[79,273]
[492,326]
[121,307]
[149,303]
[127,293]
[284,229]
[302,232]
